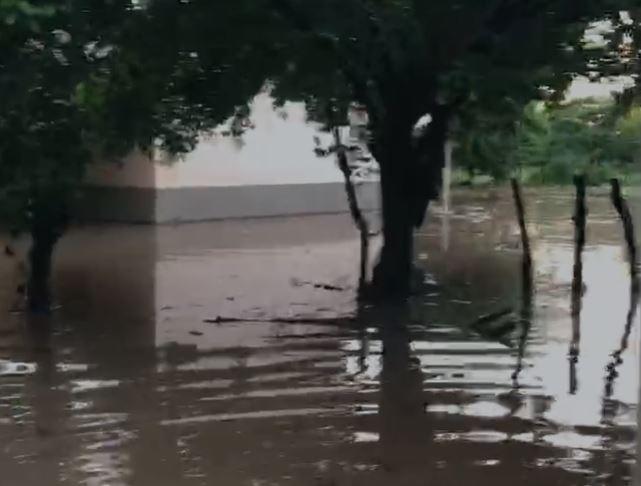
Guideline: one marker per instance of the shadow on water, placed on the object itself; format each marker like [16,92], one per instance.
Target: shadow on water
[617,359]
[575,309]
[614,461]
[404,432]
[526,313]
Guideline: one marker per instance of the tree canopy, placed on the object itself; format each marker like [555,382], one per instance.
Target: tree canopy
[464,64]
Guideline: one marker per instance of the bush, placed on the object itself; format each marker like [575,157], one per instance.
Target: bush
[552,143]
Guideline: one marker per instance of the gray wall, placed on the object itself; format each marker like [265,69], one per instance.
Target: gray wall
[140,205]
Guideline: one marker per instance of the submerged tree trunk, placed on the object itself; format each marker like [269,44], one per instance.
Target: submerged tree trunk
[411,177]
[392,275]
[40,259]
[48,224]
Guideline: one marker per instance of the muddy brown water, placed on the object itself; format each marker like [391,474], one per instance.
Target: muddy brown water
[126,385]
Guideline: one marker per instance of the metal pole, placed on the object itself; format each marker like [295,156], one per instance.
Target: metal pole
[447,182]
[447,176]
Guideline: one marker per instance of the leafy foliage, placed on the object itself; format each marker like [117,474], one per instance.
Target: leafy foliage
[552,142]
[86,80]
[41,147]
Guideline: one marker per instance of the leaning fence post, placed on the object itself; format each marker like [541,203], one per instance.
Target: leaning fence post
[520,212]
[622,208]
[526,280]
[579,218]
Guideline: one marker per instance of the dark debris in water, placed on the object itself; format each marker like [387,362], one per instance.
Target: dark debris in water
[332,321]
[317,285]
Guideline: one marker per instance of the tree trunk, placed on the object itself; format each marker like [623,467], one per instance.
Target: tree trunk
[354,209]
[40,259]
[50,219]
[411,177]
[392,275]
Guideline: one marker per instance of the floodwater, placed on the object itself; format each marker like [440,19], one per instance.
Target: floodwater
[127,385]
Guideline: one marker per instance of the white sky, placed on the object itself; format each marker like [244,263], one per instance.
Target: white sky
[582,88]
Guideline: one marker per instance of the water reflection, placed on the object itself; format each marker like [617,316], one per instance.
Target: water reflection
[525,321]
[130,386]
[404,431]
[617,355]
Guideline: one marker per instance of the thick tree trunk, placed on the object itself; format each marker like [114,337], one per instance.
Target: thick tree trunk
[392,275]
[411,172]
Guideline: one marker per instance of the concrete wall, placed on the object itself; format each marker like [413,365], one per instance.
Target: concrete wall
[205,203]
[188,204]
[279,150]
[271,170]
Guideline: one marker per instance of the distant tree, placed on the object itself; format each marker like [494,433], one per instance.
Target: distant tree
[627,130]
[484,145]
[553,142]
